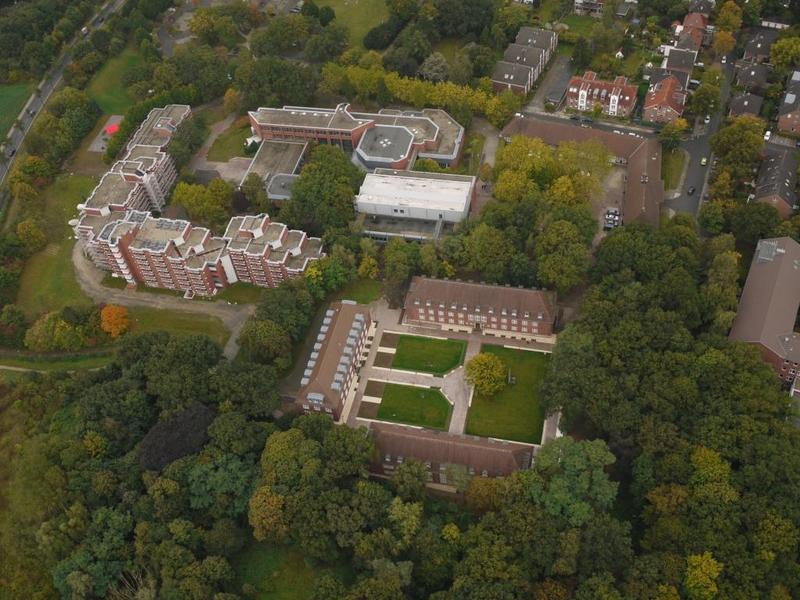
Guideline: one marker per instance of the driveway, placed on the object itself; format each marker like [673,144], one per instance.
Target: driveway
[90,277]
[558,67]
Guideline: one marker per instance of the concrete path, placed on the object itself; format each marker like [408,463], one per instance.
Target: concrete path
[200,159]
[90,277]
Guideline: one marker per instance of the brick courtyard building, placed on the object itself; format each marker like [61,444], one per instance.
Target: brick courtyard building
[617,98]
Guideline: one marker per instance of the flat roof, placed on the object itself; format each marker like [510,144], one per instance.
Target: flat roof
[160,124]
[156,234]
[280,186]
[275,156]
[451,133]
[338,118]
[386,142]
[416,189]
[112,189]
[416,229]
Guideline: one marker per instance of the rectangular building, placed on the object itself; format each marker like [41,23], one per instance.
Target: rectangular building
[342,345]
[789,111]
[493,309]
[769,303]
[777,180]
[524,61]
[617,98]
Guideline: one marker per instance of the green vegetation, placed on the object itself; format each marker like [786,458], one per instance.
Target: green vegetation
[230,143]
[514,413]
[12,99]
[48,281]
[359,16]
[672,167]
[75,362]
[580,24]
[428,355]
[449,48]
[414,406]
[107,89]
[362,291]
[241,293]
[279,572]
[114,282]
[178,323]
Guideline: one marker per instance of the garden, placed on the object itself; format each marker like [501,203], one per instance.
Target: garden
[411,405]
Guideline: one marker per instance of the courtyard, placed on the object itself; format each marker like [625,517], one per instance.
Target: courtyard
[406,404]
[421,354]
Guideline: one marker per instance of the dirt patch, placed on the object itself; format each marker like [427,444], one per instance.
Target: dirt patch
[368,410]
[389,340]
[384,359]
[374,389]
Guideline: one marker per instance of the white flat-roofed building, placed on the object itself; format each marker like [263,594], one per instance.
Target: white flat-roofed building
[416,195]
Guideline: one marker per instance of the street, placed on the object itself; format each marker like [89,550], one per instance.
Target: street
[45,88]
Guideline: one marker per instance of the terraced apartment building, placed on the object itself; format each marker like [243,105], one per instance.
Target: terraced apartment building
[120,235]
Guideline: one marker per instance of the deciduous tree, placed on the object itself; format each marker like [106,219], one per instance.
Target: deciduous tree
[487,372]
[114,320]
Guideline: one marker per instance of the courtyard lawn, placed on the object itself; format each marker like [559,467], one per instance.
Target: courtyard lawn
[177,323]
[230,143]
[280,572]
[359,16]
[107,89]
[12,98]
[362,291]
[428,355]
[672,168]
[241,293]
[48,279]
[514,413]
[580,24]
[414,406]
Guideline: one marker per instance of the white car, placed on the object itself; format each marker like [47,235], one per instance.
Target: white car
[707,120]
[724,59]
[767,135]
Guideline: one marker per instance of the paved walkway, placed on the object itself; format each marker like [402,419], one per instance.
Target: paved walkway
[90,277]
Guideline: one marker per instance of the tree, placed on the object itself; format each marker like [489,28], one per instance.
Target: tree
[327,44]
[208,204]
[51,333]
[562,256]
[266,342]
[280,35]
[712,217]
[31,235]
[487,372]
[729,17]
[785,53]
[706,99]
[702,572]
[489,251]
[114,320]
[724,42]
[672,133]
[738,145]
[435,67]
[409,480]
[231,101]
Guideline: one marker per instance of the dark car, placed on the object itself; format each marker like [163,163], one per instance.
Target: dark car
[690,191]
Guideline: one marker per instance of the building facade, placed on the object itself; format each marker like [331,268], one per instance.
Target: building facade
[331,374]
[493,309]
[524,60]
[617,98]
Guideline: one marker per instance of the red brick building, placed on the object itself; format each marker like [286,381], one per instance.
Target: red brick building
[665,101]
[493,309]
[331,374]
[617,98]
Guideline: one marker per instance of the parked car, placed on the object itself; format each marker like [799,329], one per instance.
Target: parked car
[704,161]
[724,59]
[767,135]
[691,190]
[707,120]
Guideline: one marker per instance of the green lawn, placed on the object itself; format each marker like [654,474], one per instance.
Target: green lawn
[672,168]
[241,293]
[362,291]
[429,355]
[48,280]
[414,406]
[106,87]
[358,15]
[549,10]
[178,323]
[12,98]
[92,360]
[515,413]
[229,144]
[580,24]
[280,572]
[449,47]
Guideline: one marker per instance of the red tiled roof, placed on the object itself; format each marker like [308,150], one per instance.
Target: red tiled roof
[695,20]
[667,92]
[600,88]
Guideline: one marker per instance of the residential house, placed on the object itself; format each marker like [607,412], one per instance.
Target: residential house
[769,304]
[617,98]
[330,378]
[789,111]
[745,104]
[515,77]
[545,39]
[752,76]
[524,61]
[502,311]
[704,7]
[758,47]
[777,179]
[693,32]
[665,101]
[589,7]
[680,63]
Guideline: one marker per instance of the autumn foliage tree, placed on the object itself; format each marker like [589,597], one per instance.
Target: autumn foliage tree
[114,320]
[487,373]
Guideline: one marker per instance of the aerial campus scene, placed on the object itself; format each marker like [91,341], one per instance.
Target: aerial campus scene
[399,299]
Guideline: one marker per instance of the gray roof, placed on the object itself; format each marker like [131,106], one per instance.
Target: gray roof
[681,60]
[770,299]
[541,38]
[388,142]
[745,104]
[778,175]
[754,75]
[525,55]
[280,186]
[791,99]
[509,73]
[704,7]
[759,45]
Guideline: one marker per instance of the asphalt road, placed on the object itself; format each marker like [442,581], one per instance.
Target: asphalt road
[46,87]
[699,147]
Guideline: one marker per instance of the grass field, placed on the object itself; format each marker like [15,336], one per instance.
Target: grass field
[414,406]
[358,15]
[580,24]
[12,99]
[449,47]
[515,413]
[106,87]
[428,355]
[92,360]
[229,144]
[280,572]
[241,293]
[362,291]
[48,280]
[672,168]
[178,323]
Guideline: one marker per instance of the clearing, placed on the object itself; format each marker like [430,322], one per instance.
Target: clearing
[280,572]
[177,323]
[12,98]
[241,293]
[672,164]
[107,89]
[428,355]
[412,405]
[358,15]
[230,143]
[48,280]
[515,413]
[580,24]
[362,291]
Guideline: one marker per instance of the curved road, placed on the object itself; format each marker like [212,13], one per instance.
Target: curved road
[89,278]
